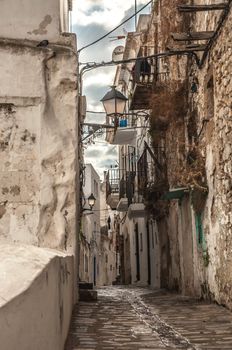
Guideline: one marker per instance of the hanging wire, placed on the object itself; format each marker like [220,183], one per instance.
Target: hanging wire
[107,34]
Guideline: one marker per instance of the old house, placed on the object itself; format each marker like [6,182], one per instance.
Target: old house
[109,268]
[39,209]
[90,231]
[173,188]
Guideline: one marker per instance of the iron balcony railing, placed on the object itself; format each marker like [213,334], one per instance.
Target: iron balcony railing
[152,170]
[112,182]
[122,121]
[148,73]
[127,186]
[122,183]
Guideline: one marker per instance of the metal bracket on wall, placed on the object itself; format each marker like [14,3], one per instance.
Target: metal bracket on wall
[208,36]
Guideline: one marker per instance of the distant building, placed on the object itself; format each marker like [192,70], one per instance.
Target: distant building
[90,236]
[108,267]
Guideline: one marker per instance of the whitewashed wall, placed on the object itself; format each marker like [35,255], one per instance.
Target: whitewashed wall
[36,286]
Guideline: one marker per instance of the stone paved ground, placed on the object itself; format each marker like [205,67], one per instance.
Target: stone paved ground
[138,318]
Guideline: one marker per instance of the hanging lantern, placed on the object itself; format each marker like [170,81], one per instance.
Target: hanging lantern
[114,102]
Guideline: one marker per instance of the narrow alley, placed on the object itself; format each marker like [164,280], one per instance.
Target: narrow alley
[116,175]
[140,318]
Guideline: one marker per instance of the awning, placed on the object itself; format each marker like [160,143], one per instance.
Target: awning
[175,193]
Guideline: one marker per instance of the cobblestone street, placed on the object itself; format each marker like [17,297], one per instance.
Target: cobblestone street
[137,318]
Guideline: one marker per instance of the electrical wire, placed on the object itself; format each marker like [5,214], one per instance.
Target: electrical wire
[89,66]
[113,30]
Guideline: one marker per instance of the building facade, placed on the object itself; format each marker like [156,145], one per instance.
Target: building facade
[38,147]
[109,269]
[38,172]
[90,232]
[97,236]
[174,183]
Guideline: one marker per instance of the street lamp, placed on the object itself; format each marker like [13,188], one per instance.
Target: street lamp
[114,102]
[91,201]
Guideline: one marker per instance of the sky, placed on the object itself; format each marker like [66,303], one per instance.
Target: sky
[92,19]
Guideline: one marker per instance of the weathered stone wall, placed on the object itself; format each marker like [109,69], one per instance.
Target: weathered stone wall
[214,124]
[38,145]
[168,134]
[202,123]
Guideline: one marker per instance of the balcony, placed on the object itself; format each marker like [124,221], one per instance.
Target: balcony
[122,132]
[120,188]
[147,79]
[112,188]
[152,171]
[142,82]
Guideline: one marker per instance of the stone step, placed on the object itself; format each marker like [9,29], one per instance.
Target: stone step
[85,285]
[87,295]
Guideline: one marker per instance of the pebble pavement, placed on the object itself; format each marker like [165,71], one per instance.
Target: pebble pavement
[138,318]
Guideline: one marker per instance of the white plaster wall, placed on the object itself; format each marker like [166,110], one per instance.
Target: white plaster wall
[107,275]
[38,146]
[91,231]
[43,20]
[130,228]
[36,297]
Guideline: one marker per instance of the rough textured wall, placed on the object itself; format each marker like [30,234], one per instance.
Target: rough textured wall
[214,114]
[42,22]
[36,297]
[168,134]
[38,145]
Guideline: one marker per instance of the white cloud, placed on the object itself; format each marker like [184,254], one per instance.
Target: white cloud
[104,12]
[92,19]
[100,79]
[101,156]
